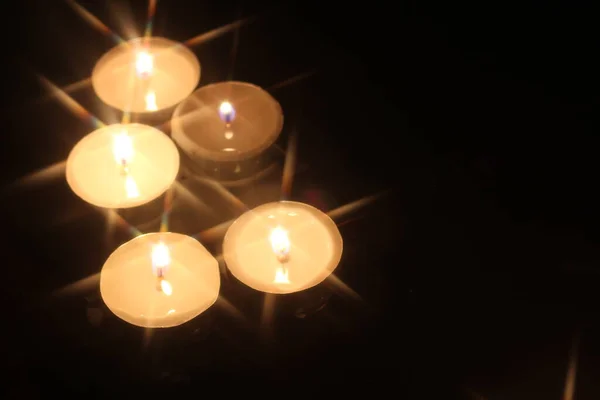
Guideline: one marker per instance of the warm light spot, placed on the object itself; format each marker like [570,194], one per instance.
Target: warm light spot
[123,148]
[280,242]
[292,214]
[171,311]
[166,287]
[228,149]
[131,187]
[281,276]
[151,101]
[144,63]
[228,135]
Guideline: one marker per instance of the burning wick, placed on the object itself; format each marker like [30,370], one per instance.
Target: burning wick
[226,112]
[144,63]
[123,151]
[161,259]
[281,247]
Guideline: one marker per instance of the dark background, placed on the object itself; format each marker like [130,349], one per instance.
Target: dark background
[477,270]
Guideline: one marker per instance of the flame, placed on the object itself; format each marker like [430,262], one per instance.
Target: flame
[280,242]
[281,275]
[225,108]
[151,101]
[123,148]
[144,64]
[131,187]
[161,258]
[226,112]
[166,287]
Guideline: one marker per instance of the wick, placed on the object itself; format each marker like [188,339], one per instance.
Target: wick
[283,258]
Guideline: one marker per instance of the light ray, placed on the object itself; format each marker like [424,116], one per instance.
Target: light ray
[293,80]
[214,233]
[150,19]
[229,308]
[341,288]
[168,205]
[268,315]
[289,168]
[40,177]
[70,104]
[569,393]
[226,194]
[345,210]
[218,32]
[94,21]
[79,287]
[115,220]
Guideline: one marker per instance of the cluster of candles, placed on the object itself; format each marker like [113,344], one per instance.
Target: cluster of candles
[164,279]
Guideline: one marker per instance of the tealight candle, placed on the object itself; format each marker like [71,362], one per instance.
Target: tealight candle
[122,166]
[146,75]
[160,280]
[282,247]
[226,122]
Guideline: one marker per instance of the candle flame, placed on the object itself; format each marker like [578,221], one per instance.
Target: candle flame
[280,242]
[166,287]
[281,275]
[151,101]
[144,64]
[161,258]
[131,187]
[123,148]
[226,112]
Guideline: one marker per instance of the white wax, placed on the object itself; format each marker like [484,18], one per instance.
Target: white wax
[95,176]
[315,247]
[170,73]
[128,283]
[227,121]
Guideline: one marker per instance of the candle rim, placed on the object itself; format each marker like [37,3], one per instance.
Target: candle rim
[183,50]
[130,204]
[330,225]
[190,146]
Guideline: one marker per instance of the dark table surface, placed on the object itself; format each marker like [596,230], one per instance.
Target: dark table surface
[476,271]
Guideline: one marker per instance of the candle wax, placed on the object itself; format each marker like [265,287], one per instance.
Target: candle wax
[315,247]
[95,175]
[227,121]
[128,283]
[145,75]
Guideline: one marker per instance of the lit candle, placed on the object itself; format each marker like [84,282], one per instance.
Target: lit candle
[122,166]
[227,121]
[159,280]
[282,247]
[145,75]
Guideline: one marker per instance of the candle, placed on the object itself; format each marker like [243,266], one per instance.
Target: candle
[122,166]
[227,121]
[282,247]
[160,280]
[146,74]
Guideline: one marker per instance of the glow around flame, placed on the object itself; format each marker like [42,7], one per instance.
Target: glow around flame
[161,258]
[151,101]
[280,241]
[166,287]
[144,64]
[123,148]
